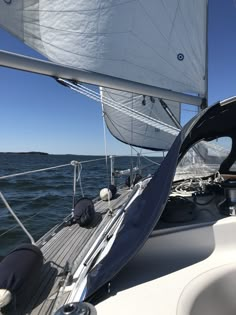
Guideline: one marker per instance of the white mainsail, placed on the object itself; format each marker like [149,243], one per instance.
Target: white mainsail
[158,43]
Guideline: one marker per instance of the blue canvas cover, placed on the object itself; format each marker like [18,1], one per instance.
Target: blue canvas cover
[144,213]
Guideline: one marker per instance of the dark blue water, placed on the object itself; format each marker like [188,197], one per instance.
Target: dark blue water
[43,199]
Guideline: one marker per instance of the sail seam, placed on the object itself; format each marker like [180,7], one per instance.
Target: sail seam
[114,59]
[122,137]
[83,10]
[72,31]
[166,61]
[173,22]
[197,69]
[135,132]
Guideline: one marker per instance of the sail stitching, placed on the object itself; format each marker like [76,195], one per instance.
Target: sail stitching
[79,54]
[165,60]
[72,31]
[114,59]
[114,124]
[191,44]
[168,40]
[121,126]
[146,129]
[153,23]
[27,33]
[140,137]
[135,132]
[173,22]
[83,10]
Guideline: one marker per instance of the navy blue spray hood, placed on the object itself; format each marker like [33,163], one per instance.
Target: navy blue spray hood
[144,213]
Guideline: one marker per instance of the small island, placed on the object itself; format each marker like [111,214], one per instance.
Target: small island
[30,152]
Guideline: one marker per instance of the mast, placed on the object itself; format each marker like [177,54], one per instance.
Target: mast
[204,103]
[206,57]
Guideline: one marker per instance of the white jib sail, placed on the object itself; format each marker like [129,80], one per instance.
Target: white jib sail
[144,134]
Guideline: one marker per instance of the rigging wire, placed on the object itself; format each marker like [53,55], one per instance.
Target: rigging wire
[146,127]
[47,169]
[128,111]
[23,221]
[131,147]
[111,121]
[34,171]
[77,178]
[106,156]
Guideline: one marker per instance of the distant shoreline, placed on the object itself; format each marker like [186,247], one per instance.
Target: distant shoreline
[31,152]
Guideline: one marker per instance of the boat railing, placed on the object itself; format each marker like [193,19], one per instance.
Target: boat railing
[21,223]
[76,191]
[141,168]
[16,218]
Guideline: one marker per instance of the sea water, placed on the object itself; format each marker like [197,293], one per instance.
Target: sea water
[41,200]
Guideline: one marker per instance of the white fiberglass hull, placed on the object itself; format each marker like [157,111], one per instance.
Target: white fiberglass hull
[184,271]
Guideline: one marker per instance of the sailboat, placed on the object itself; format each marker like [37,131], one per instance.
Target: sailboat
[167,246]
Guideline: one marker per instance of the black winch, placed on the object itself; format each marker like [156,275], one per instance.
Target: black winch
[80,308]
[228,205]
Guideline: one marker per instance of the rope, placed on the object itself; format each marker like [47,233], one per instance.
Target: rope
[106,155]
[104,133]
[126,110]
[77,178]
[131,167]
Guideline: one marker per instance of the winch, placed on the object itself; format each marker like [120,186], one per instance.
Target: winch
[228,205]
[80,308]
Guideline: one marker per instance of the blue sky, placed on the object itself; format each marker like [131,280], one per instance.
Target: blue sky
[38,114]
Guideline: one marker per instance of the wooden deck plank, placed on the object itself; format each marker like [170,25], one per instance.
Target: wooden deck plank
[58,257]
[68,244]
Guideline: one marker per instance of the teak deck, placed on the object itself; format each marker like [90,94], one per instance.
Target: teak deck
[61,247]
